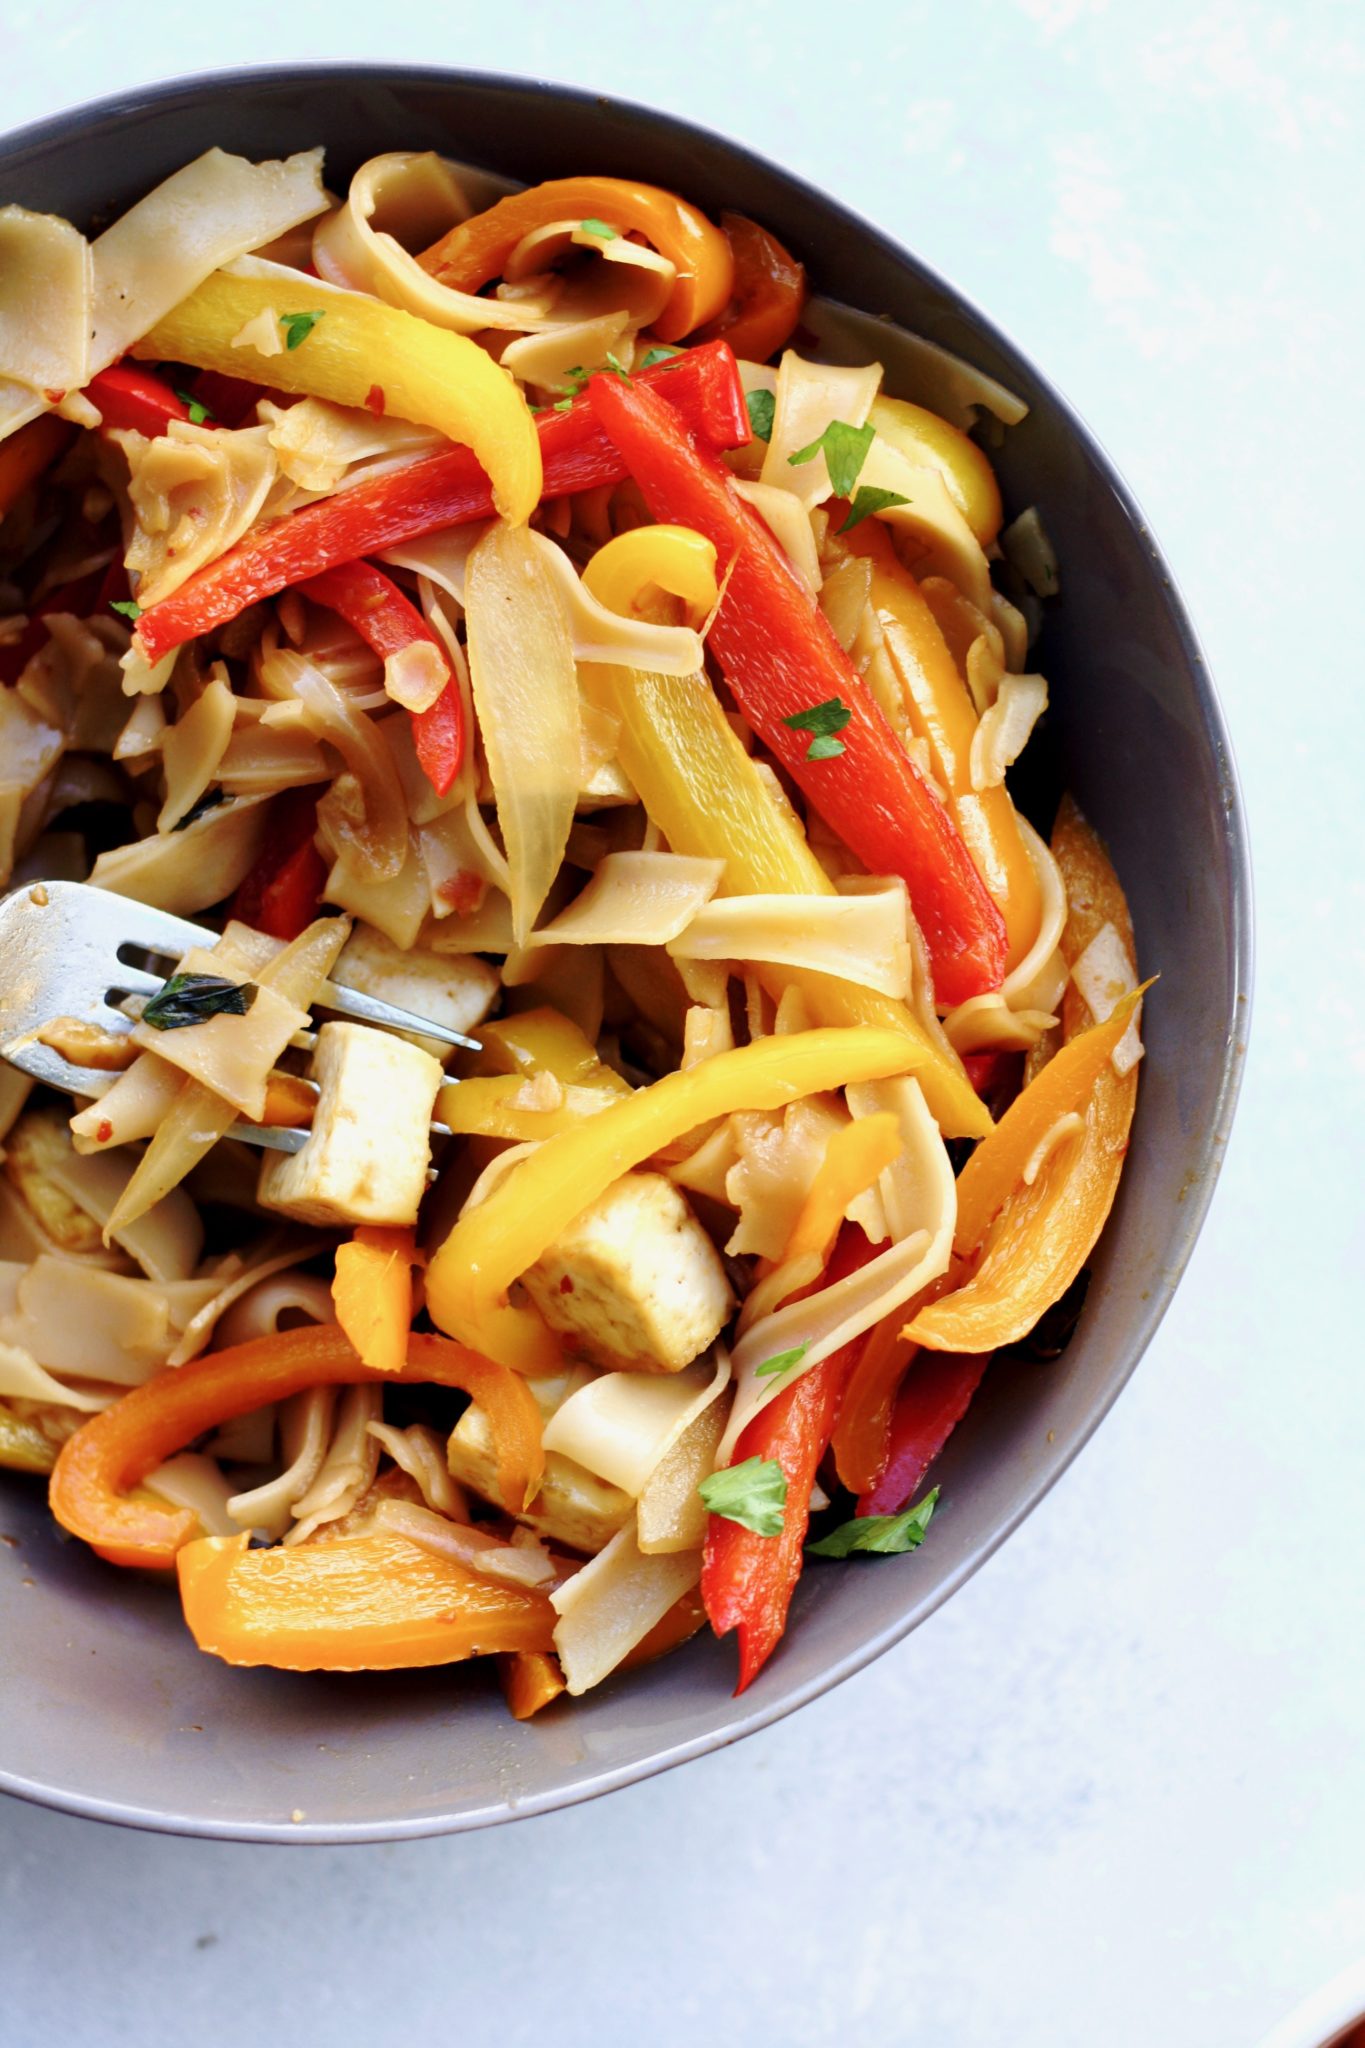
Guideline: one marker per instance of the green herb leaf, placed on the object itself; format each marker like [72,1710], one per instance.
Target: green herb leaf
[782,1363]
[194,998]
[617,367]
[659,355]
[871,498]
[886,1535]
[599,230]
[563,404]
[126,607]
[211,800]
[297,327]
[822,721]
[199,412]
[762,405]
[845,451]
[753,1494]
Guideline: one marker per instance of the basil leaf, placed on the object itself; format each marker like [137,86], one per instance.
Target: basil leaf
[297,327]
[871,498]
[884,1535]
[782,1363]
[845,451]
[194,998]
[761,407]
[599,230]
[753,1494]
[126,607]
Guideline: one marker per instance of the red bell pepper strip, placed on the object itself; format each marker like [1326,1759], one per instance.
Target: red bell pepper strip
[933,1399]
[781,659]
[747,1580]
[446,489]
[227,400]
[281,893]
[373,606]
[128,397]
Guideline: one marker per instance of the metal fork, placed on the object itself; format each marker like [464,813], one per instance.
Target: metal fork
[69,950]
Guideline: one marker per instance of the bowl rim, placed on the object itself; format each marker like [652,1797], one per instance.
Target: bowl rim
[747,1719]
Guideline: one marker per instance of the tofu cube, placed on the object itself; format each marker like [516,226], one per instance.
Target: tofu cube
[366,1157]
[574,1507]
[634,1283]
[458,991]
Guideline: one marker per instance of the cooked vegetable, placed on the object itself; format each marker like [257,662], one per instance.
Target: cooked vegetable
[191,998]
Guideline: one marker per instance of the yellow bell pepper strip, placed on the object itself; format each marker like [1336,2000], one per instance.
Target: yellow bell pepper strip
[488,1107]
[669,558]
[854,1158]
[530,1680]
[112,1452]
[1044,1233]
[473,254]
[377,1602]
[768,294]
[996,1167]
[788,673]
[25,455]
[941,711]
[931,443]
[360,352]
[545,1041]
[707,797]
[492,1245]
[372,1294]
[23,1446]
[445,489]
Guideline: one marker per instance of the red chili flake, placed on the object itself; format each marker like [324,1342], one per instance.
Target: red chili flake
[464,892]
[374,400]
[54,397]
[104,1130]
[566,1285]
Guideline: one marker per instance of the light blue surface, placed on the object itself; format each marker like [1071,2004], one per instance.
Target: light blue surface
[1115,1792]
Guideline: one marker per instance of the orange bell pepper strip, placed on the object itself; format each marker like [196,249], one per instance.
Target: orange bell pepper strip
[491,1246]
[473,253]
[941,711]
[1043,1234]
[27,453]
[768,294]
[747,1580]
[678,1625]
[862,1433]
[116,1449]
[372,1294]
[530,1680]
[375,1602]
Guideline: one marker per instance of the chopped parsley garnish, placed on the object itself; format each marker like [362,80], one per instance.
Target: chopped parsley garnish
[822,722]
[617,368]
[885,1535]
[753,1494]
[126,607]
[871,498]
[297,327]
[194,998]
[845,451]
[199,412]
[782,1363]
[659,355]
[762,406]
[599,230]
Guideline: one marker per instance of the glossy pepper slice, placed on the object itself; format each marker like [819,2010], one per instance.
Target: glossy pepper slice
[373,606]
[781,660]
[281,892]
[430,375]
[767,295]
[131,398]
[376,1602]
[116,1449]
[473,254]
[933,1399]
[448,489]
[747,1580]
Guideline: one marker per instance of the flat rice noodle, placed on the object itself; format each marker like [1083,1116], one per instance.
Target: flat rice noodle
[193,748]
[46,287]
[635,899]
[671,1514]
[809,397]
[130,1109]
[1036,983]
[860,938]
[1005,730]
[229,1055]
[622,1424]
[918,369]
[920,1200]
[194,491]
[246,1304]
[348,1469]
[788,520]
[165,1240]
[931,517]
[305,1425]
[75,1320]
[23,1379]
[420,1452]
[186,871]
[378,840]
[613,1602]
[194,1481]
[319,445]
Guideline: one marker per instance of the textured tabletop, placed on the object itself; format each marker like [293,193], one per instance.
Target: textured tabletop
[1114,1793]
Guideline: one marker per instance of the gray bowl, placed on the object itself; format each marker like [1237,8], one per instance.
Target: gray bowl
[106,1707]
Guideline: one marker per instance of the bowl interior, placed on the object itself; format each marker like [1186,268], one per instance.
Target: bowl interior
[108,1709]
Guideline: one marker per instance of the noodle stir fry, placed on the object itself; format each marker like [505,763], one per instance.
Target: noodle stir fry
[526,607]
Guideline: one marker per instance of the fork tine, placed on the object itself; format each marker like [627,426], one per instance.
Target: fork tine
[349,1002]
